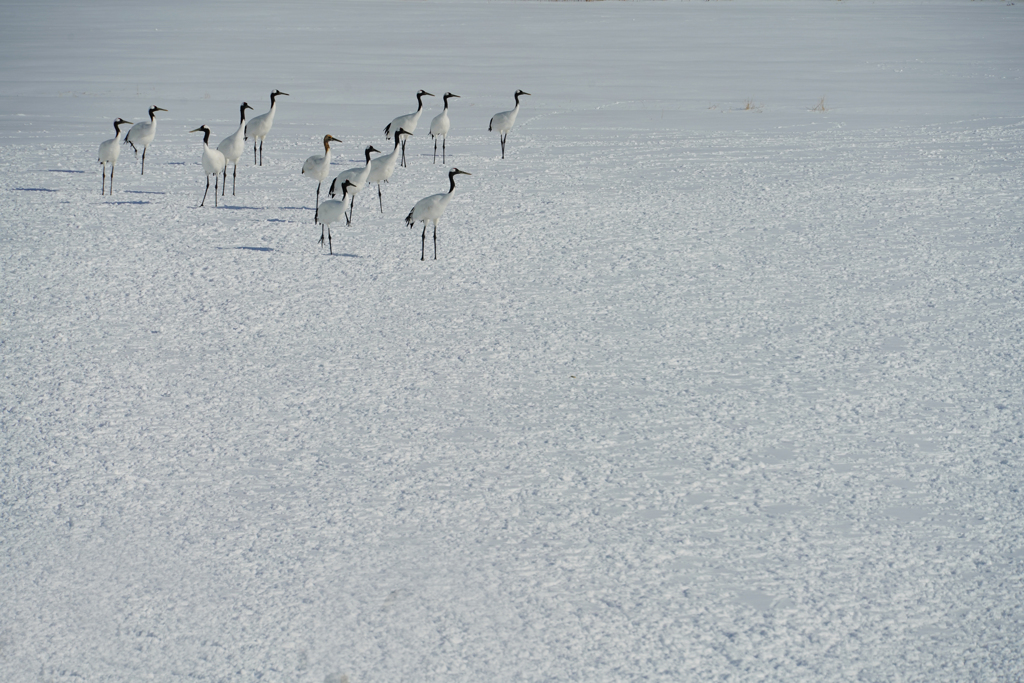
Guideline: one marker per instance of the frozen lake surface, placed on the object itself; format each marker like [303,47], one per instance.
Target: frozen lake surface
[706,383]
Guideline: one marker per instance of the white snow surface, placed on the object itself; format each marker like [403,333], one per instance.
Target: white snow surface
[704,384]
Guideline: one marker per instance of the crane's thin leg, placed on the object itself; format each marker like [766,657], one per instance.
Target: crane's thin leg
[330,245]
[435,150]
[444,143]
[404,165]
[503,145]
[234,175]
[216,178]
[225,190]
[261,152]
[103,187]
[112,179]
[351,208]
[317,214]
[143,160]
[321,235]
[380,198]
[435,240]
[254,151]
[423,240]
[207,190]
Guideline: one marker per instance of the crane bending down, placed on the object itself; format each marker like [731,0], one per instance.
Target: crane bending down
[232,147]
[142,134]
[357,177]
[439,127]
[213,163]
[503,121]
[318,166]
[407,122]
[430,209]
[260,126]
[382,167]
[331,211]
[109,151]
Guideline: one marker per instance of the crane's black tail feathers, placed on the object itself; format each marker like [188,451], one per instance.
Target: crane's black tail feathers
[387,132]
[489,125]
[330,192]
[409,221]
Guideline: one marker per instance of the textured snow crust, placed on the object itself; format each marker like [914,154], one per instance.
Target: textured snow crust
[704,384]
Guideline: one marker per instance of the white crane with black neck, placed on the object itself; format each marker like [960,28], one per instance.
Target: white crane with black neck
[383,167]
[332,211]
[430,209]
[109,151]
[213,162]
[440,126]
[232,147]
[503,121]
[357,180]
[142,134]
[407,122]
[318,166]
[260,126]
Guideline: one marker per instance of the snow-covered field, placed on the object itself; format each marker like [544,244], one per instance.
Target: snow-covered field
[704,384]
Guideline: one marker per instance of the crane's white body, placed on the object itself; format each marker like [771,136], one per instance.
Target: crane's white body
[439,127]
[332,211]
[431,208]
[142,134]
[213,163]
[232,147]
[356,177]
[318,166]
[407,122]
[383,167]
[503,121]
[109,151]
[259,127]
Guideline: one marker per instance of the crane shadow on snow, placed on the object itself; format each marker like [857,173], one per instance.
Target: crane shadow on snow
[143,192]
[34,189]
[62,170]
[247,248]
[137,201]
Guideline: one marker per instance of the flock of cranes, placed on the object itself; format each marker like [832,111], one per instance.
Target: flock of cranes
[350,182]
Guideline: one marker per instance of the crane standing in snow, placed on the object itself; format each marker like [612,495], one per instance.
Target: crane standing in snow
[382,167]
[109,151]
[213,163]
[504,121]
[407,122]
[357,180]
[439,127]
[318,166]
[142,134]
[260,126]
[430,209]
[331,211]
[232,147]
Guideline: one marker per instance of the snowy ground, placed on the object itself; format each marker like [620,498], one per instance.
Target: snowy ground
[704,384]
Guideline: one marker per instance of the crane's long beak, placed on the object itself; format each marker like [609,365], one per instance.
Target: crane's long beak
[197,130]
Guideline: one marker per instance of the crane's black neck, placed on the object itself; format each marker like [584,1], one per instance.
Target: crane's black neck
[206,136]
[273,99]
[517,99]
[451,179]
[241,111]
[368,150]
[152,114]
[117,127]
[419,98]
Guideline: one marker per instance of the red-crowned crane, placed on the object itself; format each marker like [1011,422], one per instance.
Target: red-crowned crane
[213,162]
[109,151]
[440,126]
[407,122]
[504,121]
[430,209]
